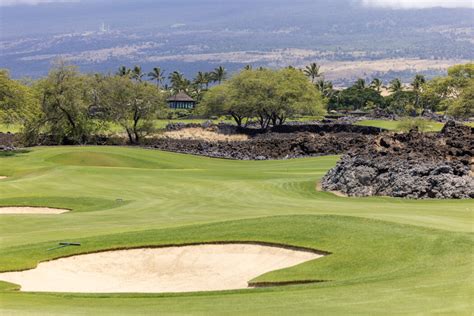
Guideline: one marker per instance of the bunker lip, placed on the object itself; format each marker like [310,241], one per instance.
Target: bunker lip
[31,210]
[163,269]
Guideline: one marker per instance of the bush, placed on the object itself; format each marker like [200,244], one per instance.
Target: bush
[408,124]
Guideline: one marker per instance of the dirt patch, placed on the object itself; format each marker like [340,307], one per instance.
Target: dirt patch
[208,267]
[31,210]
[203,134]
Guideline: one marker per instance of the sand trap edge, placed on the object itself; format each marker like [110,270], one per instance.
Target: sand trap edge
[283,283]
[30,210]
[248,284]
[230,242]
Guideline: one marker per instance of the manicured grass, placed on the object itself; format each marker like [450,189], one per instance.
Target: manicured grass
[432,126]
[389,256]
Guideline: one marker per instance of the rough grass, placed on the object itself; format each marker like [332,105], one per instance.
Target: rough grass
[389,256]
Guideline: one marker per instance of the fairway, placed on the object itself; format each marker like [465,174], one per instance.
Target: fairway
[384,255]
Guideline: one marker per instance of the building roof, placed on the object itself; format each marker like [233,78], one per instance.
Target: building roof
[181,97]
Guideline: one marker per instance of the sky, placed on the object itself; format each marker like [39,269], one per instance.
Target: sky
[394,4]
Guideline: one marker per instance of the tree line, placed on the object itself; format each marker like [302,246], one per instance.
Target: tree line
[71,106]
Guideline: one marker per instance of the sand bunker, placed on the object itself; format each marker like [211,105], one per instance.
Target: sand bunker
[170,269]
[203,134]
[30,210]
[3,177]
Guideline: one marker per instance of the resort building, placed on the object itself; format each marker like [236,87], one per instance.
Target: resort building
[181,101]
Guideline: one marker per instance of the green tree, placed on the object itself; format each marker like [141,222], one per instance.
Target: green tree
[137,73]
[313,71]
[269,95]
[132,104]
[65,100]
[124,71]
[158,75]
[376,84]
[179,82]
[219,74]
[395,85]
[417,86]
[355,98]
[448,93]
[463,106]
[325,88]
[359,84]
[464,71]
[18,102]
[201,80]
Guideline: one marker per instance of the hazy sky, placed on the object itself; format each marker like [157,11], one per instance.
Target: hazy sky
[395,4]
[30,2]
[408,4]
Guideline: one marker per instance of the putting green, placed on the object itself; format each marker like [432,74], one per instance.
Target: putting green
[387,255]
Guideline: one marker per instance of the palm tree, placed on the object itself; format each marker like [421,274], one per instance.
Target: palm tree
[324,87]
[201,79]
[312,71]
[395,85]
[219,74]
[123,71]
[179,82]
[157,75]
[376,84]
[137,73]
[417,85]
[418,82]
[359,84]
[208,78]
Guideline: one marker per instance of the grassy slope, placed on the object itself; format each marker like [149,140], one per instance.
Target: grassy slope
[393,125]
[134,197]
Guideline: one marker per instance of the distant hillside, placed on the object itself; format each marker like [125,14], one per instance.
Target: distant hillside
[350,40]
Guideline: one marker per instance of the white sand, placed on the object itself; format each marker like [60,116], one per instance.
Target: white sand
[30,210]
[3,177]
[171,269]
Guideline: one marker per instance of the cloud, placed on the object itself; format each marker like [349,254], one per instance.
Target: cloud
[418,4]
[6,3]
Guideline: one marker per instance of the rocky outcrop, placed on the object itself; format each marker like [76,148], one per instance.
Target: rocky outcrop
[412,165]
[267,146]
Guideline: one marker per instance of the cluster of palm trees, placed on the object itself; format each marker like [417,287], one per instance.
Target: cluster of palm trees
[177,80]
[196,87]
[395,85]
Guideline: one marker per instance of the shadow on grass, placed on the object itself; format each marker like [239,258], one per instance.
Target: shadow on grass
[11,153]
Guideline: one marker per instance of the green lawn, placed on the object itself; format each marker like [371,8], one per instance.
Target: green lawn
[388,256]
[432,126]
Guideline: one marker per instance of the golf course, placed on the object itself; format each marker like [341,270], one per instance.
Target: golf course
[381,255]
